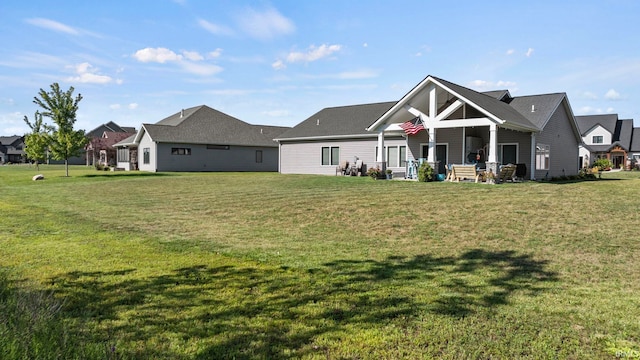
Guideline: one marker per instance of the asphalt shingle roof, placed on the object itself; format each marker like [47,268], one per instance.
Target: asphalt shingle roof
[587,122]
[339,121]
[489,103]
[204,125]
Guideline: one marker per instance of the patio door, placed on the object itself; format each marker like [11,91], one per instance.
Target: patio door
[509,154]
[441,156]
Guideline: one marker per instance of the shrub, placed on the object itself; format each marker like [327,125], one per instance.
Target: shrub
[603,164]
[425,173]
[374,172]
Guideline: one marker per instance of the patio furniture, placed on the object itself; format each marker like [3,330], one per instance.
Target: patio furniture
[461,172]
[342,168]
[507,172]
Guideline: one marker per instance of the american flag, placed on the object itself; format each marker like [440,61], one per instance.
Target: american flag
[412,126]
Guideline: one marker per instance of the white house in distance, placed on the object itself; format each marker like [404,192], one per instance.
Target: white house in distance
[606,136]
[200,139]
[461,126]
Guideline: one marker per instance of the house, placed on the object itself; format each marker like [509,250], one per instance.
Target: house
[201,139]
[319,143]
[537,132]
[100,148]
[12,149]
[605,136]
[634,151]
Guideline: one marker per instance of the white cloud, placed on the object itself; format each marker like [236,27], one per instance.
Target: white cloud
[484,85]
[214,54]
[529,52]
[279,65]
[365,45]
[132,106]
[88,74]
[200,69]
[265,24]
[215,28]
[510,52]
[313,53]
[159,55]
[52,25]
[612,95]
[192,55]
[114,106]
[13,124]
[190,61]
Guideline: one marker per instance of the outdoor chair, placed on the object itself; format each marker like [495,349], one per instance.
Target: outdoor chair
[342,168]
[507,172]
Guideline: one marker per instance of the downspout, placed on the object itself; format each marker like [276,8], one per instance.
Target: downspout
[532,165]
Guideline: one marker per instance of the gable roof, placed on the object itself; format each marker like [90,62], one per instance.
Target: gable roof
[110,127]
[587,122]
[338,122]
[204,125]
[635,140]
[488,104]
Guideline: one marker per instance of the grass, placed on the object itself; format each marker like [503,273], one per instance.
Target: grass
[263,265]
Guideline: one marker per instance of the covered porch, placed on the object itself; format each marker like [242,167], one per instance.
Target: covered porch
[444,123]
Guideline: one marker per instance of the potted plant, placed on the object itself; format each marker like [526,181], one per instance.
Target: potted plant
[389,173]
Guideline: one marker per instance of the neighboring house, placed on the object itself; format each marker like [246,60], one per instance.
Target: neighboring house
[634,151]
[461,125]
[100,148]
[201,139]
[12,149]
[605,136]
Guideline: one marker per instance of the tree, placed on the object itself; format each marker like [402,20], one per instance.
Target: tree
[37,142]
[61,108]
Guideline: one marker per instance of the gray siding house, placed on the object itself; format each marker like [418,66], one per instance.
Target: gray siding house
[200,139]
[461,126]
[606,136]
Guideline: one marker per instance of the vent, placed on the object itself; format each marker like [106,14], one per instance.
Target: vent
[533,108]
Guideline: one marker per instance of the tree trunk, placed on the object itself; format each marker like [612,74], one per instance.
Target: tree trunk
[66,167]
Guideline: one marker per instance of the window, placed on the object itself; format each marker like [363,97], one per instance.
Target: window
[330,155]
[123,154]
[218,147]
[597,139]
[258,156]
[396,156]
[542,156]
[180,151]
[146,156]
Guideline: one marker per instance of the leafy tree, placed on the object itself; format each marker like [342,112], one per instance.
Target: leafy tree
[61,108]
[37,142]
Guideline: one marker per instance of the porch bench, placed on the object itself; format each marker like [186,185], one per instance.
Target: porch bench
[459,172]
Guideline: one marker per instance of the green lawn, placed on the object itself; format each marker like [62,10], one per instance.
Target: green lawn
[270,266]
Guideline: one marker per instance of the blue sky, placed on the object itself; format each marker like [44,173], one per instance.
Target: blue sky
[279,62]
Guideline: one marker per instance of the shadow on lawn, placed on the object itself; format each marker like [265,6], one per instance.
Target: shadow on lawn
[270,312]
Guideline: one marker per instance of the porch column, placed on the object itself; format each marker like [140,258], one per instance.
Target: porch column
[431,155]
[532,165]
[380,160]
[492,160]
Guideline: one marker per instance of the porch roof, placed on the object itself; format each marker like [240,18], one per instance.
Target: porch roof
[495,105]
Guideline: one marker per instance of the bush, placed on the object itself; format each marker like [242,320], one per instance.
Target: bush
[603,164]
[374,172]
[425,173]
